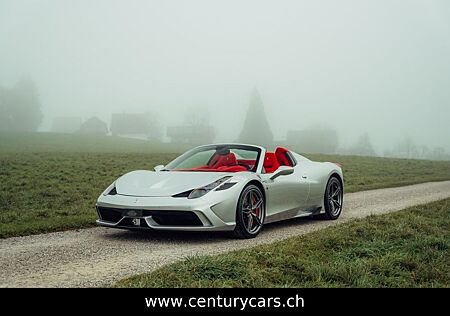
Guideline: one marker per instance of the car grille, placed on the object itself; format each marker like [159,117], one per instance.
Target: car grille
[163,218]
[174,218]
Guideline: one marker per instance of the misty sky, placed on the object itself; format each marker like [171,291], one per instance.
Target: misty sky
[380,66]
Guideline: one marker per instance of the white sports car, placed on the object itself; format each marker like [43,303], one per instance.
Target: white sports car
[233,187]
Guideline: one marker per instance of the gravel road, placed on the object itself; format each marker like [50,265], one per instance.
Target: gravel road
[100,256]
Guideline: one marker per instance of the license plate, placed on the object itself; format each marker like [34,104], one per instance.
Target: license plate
[136,221]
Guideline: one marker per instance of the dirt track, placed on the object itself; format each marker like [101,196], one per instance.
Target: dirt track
[98,256]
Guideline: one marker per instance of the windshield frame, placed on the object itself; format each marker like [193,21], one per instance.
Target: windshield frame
[171,166]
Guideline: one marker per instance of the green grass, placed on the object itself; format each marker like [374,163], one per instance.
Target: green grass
[409,248]
[44,192]
[367,173]
[51,181]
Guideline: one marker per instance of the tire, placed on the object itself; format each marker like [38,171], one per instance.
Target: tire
[250,216]
[333,199]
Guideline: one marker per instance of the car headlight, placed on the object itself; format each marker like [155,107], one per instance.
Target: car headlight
[199,192]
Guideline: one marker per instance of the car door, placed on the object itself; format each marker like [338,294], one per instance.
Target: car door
[286,195]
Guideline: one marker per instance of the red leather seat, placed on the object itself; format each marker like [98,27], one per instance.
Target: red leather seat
[270,162]
[220,161]
[280,153]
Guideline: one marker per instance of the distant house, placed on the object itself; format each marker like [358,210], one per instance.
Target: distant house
[135,125]
[66,124]
[313,140]
[191,134]
[94,126]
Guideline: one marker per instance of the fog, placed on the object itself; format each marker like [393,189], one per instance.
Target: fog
[380,67]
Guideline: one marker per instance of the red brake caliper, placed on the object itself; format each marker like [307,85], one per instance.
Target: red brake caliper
[257,210]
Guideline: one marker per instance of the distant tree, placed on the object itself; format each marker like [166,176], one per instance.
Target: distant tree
[256,129]
[6,118]
[439,153]
[424,151]
[363,146]
[414,152]
[405,148]
[20,109]
[387,153]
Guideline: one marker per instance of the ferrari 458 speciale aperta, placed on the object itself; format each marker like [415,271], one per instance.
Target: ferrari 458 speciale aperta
[233,187]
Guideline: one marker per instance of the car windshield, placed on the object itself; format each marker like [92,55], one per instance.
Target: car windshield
[217,158]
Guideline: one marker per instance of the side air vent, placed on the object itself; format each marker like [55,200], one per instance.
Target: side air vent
[113,191]
[182,194]
[225,186]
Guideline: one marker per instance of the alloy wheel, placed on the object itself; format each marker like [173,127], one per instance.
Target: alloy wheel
[335,198]
[253,211]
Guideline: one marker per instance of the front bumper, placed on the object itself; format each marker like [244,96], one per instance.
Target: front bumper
[215,212]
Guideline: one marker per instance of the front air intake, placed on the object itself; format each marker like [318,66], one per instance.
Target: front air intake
[174,218]
[109,214]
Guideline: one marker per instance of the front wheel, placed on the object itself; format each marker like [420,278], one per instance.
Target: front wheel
[333,199]
[250,212]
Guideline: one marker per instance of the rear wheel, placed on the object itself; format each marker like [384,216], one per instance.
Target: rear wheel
[250,212]
[333,199]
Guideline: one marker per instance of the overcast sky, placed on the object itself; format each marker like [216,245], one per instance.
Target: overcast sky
[380,66]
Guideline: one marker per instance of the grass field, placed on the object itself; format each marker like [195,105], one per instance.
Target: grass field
[410,248]
[50,182]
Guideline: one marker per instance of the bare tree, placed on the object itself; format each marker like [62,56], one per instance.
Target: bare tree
[363,146]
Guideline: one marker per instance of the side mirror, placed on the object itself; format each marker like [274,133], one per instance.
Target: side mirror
[282,171]
[159,167]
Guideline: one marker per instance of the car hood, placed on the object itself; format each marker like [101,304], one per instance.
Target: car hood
[163,183]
